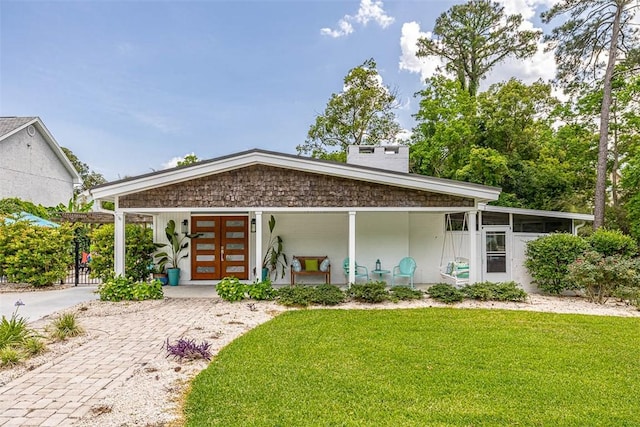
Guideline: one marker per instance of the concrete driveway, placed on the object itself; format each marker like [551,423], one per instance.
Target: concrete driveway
[39,304]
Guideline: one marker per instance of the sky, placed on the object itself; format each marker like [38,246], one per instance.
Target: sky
[132,86]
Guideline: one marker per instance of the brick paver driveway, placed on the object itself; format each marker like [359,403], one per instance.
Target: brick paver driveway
[64,390]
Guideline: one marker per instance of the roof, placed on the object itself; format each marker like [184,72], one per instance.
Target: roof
[109,191]
[13,125]
[535,212]
[10,124]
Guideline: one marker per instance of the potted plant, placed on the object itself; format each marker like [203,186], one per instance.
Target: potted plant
[159,274]
[274,257]
[170,259]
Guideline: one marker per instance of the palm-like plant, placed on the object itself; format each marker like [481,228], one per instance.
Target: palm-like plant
[275,258]
[177,245]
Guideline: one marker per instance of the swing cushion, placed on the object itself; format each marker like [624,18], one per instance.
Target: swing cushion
[461,270]
[449,269]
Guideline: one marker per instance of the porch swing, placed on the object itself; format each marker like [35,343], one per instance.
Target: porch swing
[456,271]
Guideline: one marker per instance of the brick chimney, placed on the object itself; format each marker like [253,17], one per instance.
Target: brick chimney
[389,157]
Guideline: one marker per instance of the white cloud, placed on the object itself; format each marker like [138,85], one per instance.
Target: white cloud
[370,10]
[541,66]
[426,67]
[174,161]
[344,29]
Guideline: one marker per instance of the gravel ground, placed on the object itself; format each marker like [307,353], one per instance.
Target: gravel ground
[152,395]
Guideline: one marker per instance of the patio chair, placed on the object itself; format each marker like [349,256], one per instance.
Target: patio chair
[361,271]
[405,268]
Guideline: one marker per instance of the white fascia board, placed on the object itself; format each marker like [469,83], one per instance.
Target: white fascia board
[535,212]
[480,193]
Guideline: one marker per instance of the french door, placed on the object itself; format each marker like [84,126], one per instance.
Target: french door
[221,249]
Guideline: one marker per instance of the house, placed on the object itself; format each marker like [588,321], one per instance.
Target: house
[33,167]
[367,209]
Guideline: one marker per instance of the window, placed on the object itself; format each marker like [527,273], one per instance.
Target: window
[540,224]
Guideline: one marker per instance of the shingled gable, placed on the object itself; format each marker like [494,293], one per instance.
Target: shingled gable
[259,178]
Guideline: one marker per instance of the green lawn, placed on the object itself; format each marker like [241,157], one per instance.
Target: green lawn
[424,367]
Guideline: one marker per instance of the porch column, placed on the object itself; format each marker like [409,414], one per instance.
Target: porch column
[118,243]
[352,248]
[474,260]
[258,218]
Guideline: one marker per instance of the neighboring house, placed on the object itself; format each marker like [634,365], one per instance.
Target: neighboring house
[33,167]
[367,209]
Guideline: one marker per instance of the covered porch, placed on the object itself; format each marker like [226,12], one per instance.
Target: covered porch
[321,208]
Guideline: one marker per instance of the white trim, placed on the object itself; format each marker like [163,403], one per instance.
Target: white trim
[352,248]
[258,237]
[473,248]
[535,212]
[304,164]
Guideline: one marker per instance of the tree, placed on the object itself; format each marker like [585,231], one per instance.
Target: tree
[362,114]
[446,128]
[472,38]
[504,137]
[89,177]
[189,159]
[594,29]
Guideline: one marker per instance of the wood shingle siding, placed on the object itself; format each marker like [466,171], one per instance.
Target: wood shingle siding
[268,186]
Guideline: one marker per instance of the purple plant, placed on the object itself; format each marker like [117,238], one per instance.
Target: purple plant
[188,349]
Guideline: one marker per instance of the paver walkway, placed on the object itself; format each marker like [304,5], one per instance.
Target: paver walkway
[64,390]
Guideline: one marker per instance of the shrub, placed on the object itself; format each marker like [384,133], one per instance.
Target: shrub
[327,295]
[13,331]
[602,276]
[403,293]
[296,296]
[612,242]
[33,346]
[188,349]
[36,255]
[139,249]
[261,291]
[490,291]
[230,289]
[64,327]
[548,259]
[14,205]
[445,293]
[370,292]
[125,289]
[10,356]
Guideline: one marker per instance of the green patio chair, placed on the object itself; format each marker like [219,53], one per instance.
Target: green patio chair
[406,268]
[361,271]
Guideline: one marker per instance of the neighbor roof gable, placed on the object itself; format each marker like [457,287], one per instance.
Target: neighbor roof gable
[262,157]
[12,125]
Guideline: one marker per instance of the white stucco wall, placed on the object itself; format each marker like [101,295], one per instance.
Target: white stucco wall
[30,170]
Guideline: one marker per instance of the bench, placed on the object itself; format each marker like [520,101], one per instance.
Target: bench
[303,263]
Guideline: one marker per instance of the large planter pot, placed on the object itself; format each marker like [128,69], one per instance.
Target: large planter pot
[174,276]
[265,274]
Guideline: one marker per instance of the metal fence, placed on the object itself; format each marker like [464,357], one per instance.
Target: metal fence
[79,273]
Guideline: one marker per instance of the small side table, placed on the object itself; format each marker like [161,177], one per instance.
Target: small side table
[380,272]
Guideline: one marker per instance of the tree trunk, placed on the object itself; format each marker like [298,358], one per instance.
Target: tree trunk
[601,172]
